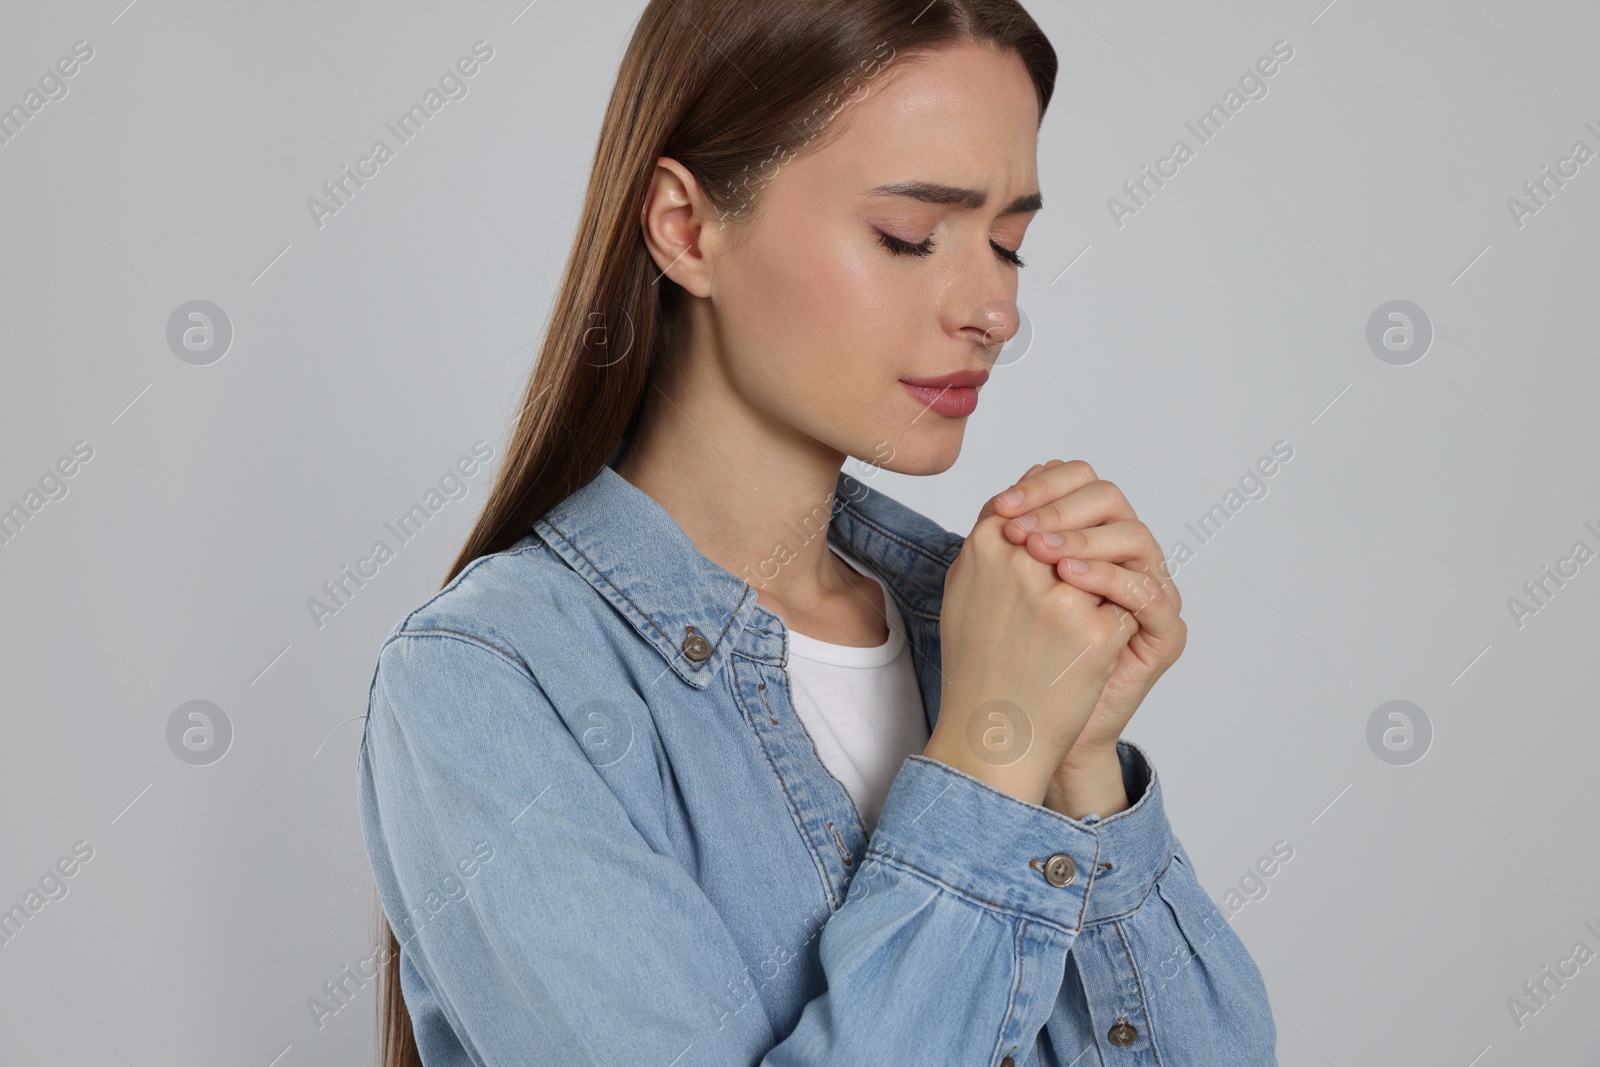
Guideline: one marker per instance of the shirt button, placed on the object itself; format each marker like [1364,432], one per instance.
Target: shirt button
[696,647]
[1059,870]
[1007,1062]
[1122,1034]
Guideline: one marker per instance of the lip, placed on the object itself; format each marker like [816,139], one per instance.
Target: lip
[953,395]
[961,379]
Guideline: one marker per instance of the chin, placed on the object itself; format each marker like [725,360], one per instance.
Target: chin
[923,453]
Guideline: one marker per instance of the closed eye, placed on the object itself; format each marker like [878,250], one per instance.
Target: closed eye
[1007,254]
[900,247]
[924,247]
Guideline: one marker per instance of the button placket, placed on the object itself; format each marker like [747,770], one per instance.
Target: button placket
[827,818]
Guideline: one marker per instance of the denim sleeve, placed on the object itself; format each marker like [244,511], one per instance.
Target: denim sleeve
[576,943]
[1157,974]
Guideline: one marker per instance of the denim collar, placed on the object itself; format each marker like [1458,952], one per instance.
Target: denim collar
[637,556]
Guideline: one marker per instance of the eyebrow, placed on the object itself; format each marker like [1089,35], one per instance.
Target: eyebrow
[934,193]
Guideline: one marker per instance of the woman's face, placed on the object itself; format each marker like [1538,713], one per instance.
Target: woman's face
[845,282]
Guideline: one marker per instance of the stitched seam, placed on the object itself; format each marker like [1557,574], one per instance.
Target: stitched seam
[862,823]
[1144,1005]
[473,639]
[605,578]
[1148,890]
[794,808]
[643,614]
[772,716]
[731,616]
[1094,867]
[919,611]
[739,653]
[861,517]
[1016,984]
[468,569]
[372,687]
[955,890]
[947,769]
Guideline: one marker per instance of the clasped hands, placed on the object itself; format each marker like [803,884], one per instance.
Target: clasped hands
[1065,515]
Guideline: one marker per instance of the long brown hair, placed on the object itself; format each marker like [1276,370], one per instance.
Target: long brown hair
[731,90]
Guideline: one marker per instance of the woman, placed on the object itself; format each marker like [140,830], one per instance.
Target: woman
[707,753]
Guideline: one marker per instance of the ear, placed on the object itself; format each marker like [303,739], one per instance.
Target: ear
[678,227]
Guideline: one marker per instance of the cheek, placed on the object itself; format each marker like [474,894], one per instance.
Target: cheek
[814,281]
[824,311]
[824,323]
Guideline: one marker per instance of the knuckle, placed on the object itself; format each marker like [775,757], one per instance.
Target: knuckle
[1079,611]
[1022,563]
[986,533]
[1081,468]
[1090,624]
[1146,589]
[1104,640]
[1055,510]
[1125,616]
[1074,542]
[1069,608]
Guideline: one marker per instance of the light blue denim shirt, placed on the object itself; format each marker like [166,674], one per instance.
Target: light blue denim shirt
[603,837]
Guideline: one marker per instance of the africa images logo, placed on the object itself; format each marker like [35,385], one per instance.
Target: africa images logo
[453,484]
[340,190]
[1252,85]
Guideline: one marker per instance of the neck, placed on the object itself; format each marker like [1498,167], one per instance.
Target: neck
[756,498]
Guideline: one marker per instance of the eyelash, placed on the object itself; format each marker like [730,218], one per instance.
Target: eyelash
[925,248]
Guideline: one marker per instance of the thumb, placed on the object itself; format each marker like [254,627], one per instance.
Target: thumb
[989,505]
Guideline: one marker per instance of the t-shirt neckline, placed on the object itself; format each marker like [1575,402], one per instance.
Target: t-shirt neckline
[817,651]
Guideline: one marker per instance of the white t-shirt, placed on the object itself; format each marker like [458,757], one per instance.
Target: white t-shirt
[861,706]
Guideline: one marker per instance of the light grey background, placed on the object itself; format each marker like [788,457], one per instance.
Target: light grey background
[1229,313]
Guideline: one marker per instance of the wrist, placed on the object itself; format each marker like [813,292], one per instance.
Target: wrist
[1027,778]
[1092,757]
[1088,782]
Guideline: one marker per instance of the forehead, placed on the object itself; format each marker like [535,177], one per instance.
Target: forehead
[966,115]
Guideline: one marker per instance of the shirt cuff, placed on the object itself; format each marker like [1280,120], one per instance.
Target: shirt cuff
[987,845]
[1136,844]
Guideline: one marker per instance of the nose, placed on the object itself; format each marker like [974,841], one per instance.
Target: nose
[994,322]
